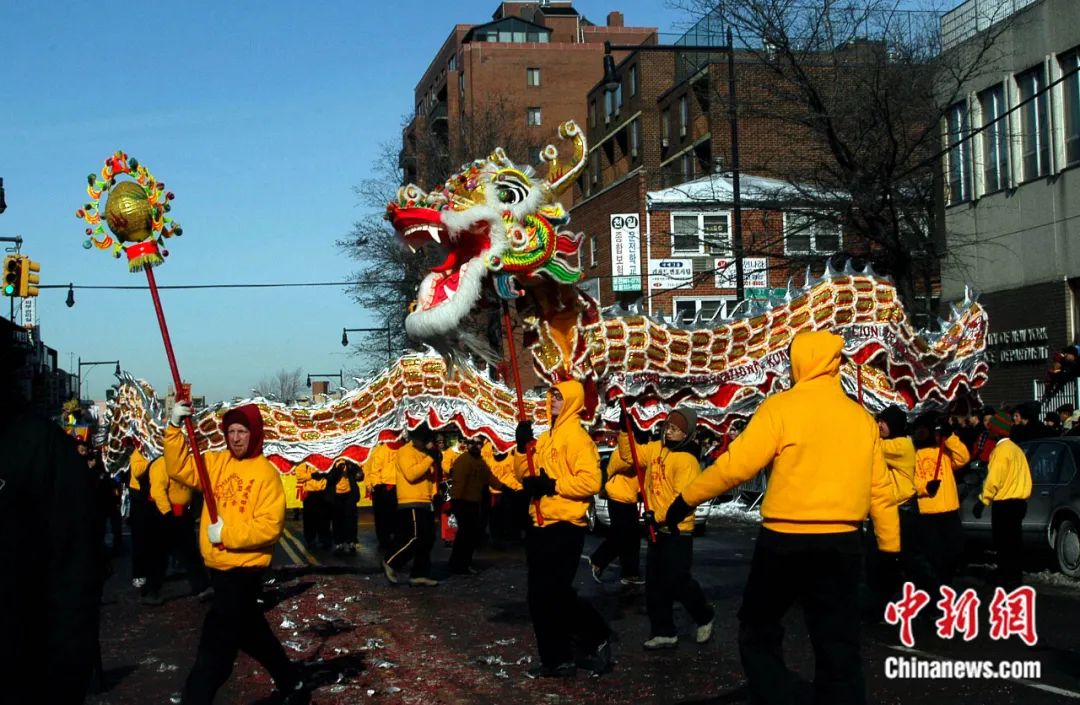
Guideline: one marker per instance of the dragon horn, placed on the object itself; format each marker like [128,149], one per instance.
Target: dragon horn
[559,180]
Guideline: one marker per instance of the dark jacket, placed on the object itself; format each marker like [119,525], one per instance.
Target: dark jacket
[51,550]
[469,475]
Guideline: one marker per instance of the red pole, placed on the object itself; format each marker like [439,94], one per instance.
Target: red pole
[520,400]
[638,470]
[858,377]
[200,467]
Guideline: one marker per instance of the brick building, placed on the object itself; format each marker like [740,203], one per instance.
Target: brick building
[519,76]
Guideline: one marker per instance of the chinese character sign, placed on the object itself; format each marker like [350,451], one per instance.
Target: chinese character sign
[670,273]
[625,252]
[1010,614]
[755,272]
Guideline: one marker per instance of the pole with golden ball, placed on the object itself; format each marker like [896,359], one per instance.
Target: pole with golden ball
[136,213]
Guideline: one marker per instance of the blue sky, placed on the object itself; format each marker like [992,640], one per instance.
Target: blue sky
[260,118]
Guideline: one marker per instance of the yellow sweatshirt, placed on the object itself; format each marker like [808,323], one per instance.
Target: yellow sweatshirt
[1008,474]
[570,458]
[900,464]
[828,469]
[380,468]
[415,477]
[306,481]
[250,501]
[503,470]
[667,474]
[138,465]
[955,455]
[448,457]
[622,485]
[166,491]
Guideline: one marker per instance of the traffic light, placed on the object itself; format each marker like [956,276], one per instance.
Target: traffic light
[12,272]
[28,280]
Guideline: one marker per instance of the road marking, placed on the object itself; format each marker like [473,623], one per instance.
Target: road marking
[301,548]
[284,543]
[1031,684]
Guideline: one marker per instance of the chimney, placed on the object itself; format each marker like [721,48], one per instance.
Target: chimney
[615,19]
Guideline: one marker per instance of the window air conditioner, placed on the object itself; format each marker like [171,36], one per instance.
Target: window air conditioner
[665,142]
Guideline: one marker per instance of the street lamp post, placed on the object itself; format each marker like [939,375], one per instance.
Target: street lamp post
[611,81]
[340,378]
[345,337]
[91,364]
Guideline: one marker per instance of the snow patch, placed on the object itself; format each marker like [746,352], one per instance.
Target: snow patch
[736,511]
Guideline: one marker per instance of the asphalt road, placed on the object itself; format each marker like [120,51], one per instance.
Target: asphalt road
[470,640]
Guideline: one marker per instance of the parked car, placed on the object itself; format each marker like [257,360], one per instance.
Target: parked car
[598,516]
[1053,513]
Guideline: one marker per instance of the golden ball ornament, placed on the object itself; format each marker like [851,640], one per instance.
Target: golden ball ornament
[128,212]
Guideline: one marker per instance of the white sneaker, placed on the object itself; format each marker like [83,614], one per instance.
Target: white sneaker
[661,642]
[138,582]
[423,582]
[704,632]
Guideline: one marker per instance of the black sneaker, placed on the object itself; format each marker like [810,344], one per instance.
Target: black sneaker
[563,670]
[599,662]
[299,695]
[153,599]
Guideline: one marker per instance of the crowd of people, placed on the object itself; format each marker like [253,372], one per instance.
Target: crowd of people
[836,476]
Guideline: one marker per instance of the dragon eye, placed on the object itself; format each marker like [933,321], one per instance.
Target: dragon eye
[511,193]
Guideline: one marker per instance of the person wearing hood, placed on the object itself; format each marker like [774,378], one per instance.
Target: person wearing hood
[237,550]
[1007,487]
[173,532]
[345,476]
[623,539]
[318,507]
[567,467]
[469,476]
[417,477]
[140,512]
[380,477]
[828,473]
[671,464]
[939,454]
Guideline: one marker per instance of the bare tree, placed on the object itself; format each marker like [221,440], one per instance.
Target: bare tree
[285,385]
[858,90]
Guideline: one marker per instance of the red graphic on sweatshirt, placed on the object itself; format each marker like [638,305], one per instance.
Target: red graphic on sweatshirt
[906,609]
[958,614]
[1013,613]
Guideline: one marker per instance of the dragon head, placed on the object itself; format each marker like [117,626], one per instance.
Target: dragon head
[499,223]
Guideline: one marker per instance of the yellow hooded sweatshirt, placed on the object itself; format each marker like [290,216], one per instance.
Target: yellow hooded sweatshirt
[137,465]
[1008,474]
[380,467]
[828,470]
[667,473]
[503,470]
[900,463]
[306,481]
[954,455]
[570,458]
[250,502]
[622,485]
[415,477]
[165,491]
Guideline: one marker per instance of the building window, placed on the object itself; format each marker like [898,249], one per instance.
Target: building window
[451,65]
[617,99]
[532,76]
[707,309]
[665,129]
[633,80]
[533,117]
[1034,123]
[1070,63]
[607,106]
[534,155]
[684,115]
[594,251]
[700,234]
[959,154]
[634,139]
[995,139]
[810,234]
[686,167]
[594,158]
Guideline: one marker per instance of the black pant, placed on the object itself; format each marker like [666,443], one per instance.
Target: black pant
[667,579]
[173,535]
[345,518]
[1006,527]
[623,540]
[416,535]
[821,571]
[384,506]
[317,512]
[560,618]
[235,622]
[114,522]
[468,533]
[943,542]
[142,511]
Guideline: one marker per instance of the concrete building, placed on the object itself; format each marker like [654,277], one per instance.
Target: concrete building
[519,75]
[1011,188]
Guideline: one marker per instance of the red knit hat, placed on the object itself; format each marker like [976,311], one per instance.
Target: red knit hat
[999,425]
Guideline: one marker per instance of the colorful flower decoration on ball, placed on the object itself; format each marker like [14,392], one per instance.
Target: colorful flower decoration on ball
[135,211]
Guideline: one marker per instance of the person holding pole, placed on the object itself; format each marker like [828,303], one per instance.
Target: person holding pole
[623,540]
[237,549]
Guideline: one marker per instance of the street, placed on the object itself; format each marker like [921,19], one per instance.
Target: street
[470,640]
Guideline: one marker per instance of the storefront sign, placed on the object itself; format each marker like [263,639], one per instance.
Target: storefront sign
[625,252]
[670,273]
[755,272]
[1021,345]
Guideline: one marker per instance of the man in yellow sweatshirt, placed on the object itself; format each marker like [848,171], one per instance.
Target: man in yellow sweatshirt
[237,549]
[317,505]
[141,511]
[380,476]
[1007,487]
[828,473]
[671,465]
[567,466]
[172,533]
[416,465]
[623,540]
[939,454]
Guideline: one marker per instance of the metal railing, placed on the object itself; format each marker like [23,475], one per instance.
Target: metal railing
[1067,393]
[973,16]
